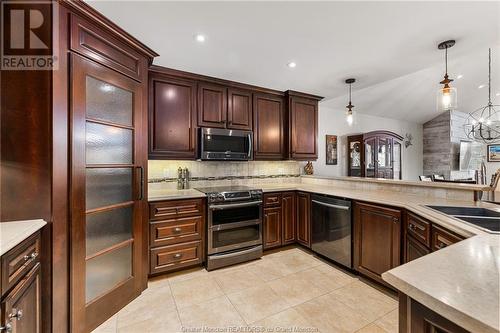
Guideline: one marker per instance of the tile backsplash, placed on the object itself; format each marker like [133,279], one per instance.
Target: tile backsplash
[166,171]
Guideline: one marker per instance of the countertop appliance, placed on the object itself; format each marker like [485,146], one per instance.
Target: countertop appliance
[234,227]
[225,144]
[332,228]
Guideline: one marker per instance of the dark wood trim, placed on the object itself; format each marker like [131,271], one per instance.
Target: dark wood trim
[303,95]
[87,11]
[175,73]
[110,249]
[382,133]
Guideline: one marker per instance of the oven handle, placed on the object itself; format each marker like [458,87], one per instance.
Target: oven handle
[234,225]
[330,205]
[238,253]
[249,145]
[235,205]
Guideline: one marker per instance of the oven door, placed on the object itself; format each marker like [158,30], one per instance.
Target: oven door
[223,144]
[234,226]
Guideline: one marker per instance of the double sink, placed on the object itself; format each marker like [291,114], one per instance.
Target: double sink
[483,218]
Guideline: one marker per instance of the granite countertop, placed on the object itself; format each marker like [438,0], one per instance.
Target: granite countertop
[159,195]
[445,185]
[13,233]
[460,282]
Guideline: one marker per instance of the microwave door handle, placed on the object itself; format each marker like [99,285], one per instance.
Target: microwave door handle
[249,145]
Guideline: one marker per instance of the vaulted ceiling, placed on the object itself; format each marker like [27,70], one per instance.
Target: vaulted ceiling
[389,47]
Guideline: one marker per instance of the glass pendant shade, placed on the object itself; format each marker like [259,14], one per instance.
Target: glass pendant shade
[446,98]
[349,117]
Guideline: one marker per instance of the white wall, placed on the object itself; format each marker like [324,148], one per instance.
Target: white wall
[333,122]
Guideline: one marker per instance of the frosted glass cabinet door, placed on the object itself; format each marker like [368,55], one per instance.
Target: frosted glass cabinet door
[106,191]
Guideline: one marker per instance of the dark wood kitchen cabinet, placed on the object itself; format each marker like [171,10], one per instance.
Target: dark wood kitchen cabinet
[212,105]
[21,289]
[304,218]
[414,249]
[377,239]
[272,227]
[239,109]
[268,124]
[441,238]
[172,117]
[303,126]
[288,200]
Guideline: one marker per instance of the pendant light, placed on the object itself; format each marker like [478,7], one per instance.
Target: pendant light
[349,114]
[446,96]
[483,124]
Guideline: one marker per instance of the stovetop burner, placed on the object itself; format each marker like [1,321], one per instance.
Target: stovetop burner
[218,194]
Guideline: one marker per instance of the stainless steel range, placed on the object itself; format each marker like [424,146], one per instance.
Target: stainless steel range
[234,228]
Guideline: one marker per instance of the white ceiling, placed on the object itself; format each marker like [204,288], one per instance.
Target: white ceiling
[389,47]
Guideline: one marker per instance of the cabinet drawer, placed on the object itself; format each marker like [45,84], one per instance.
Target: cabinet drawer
[166,232]
[442,238]
[175,209]
[101,46]
[272,199]
[19,261]
[172,257]
[419,228]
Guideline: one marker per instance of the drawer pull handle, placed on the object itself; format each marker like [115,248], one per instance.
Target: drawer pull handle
[6,328]
[440,245]
[31,257]
[177,255]
[177,230]
[16,314]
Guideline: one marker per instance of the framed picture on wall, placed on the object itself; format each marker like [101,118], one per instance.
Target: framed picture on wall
[331,149]
[494,153]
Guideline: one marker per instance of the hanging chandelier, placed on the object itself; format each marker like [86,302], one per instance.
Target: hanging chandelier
[483,124]
[349,112]
[446,96]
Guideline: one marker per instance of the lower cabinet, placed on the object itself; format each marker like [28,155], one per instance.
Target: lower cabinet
[417,318]
[279,219]
[304,218]
[176,234]
[20,308]
[414,249]
[272,227]
[377,239]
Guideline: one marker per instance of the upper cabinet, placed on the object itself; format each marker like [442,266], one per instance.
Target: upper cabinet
[172,114]
[303,126]
[239,109]
[284,124]
[212,105]
[268,124]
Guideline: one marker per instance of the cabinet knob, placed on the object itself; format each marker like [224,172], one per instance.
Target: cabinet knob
[395,220]
[177,255]
[177,230]
[31,256]
[16,314]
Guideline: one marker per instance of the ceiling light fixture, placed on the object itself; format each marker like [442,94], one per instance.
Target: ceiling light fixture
[200,38]
[292,64]
[483,124]
[349,112]
[447,96]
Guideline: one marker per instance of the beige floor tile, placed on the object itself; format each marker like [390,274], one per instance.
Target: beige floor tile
[168,322]
[187,275]
[109,326]
[331,315]
[237,280]
[372,328]
[286,321]
[215,315]
[298,261]
[158,282]
[389,322]
[195,291]
[269,269]
[367,301]
[257,303]
[299,287]
[329,280]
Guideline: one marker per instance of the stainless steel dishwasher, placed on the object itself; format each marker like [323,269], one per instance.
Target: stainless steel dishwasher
[332,228]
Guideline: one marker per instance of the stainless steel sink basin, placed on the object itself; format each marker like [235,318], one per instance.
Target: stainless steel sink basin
[466,211]
[480,217]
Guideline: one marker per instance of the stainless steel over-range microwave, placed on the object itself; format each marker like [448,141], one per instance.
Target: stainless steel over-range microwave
[225,144]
